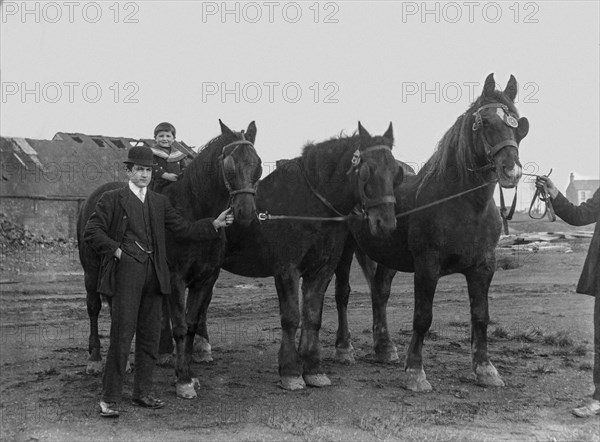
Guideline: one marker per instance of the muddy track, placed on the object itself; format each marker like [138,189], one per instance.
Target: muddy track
[539,339]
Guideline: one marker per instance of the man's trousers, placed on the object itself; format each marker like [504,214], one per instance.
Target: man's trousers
[136,309]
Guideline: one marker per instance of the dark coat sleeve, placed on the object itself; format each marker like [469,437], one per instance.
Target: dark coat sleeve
[586,213]
[97,229]
[183,229]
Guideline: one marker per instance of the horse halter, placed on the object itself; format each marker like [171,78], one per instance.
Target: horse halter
[356,166]
[237,144]
[491,151]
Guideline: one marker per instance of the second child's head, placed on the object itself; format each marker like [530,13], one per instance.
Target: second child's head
[164,135]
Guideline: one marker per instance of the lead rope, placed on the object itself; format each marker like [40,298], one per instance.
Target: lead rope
[544,196]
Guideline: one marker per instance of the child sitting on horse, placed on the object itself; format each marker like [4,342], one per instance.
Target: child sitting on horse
[169,162]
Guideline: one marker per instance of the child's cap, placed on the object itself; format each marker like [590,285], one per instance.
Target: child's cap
[164,127]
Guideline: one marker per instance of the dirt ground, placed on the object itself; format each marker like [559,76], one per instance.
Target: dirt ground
[540,341]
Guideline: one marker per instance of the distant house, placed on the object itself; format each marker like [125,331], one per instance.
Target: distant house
[579,191]
[44,182]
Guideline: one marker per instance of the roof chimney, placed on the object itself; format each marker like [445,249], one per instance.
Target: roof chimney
[572,177]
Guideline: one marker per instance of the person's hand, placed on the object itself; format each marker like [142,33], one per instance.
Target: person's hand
[117,253]
[169,176]
[224,219]
[541,180]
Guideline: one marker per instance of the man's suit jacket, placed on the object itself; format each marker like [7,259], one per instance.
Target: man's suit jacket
[106,228]
[586,213]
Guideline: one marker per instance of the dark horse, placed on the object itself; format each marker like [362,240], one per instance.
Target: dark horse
[223,174]
[329,180]
[456,236]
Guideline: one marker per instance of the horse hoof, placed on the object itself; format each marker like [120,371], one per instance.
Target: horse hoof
[186,391]
[487,376]
[94,367]
[129,367]
[202,350]
[291,383]
[417,381]
[317,380]
[388,357]
[165,360]
[345,355]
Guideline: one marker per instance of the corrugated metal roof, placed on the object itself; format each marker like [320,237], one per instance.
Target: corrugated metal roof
[59,167]
[69,165]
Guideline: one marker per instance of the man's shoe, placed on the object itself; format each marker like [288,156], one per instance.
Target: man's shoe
[590,409]
[149,402]
[107,409]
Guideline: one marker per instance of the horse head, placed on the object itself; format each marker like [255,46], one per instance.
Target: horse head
[241,169]
[497,131]
[377,175]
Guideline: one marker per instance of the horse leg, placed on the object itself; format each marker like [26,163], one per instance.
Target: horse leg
[198,292]
[94,305]
[344,351]
[478,282]
[202,348]
[427,273]
[290,364]
[184,386]
[385,351]
[313,294]
[166,347]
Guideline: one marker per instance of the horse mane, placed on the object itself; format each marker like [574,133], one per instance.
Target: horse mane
[196,172]
[201,178]
[455,154]
[314,154]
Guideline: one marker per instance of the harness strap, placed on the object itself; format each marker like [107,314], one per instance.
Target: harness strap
[507,215]
[317,194]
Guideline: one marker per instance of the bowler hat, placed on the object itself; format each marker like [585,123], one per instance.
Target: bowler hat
[140,155]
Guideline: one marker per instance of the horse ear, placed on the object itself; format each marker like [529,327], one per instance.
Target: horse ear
[489,86]
[251,132]
[365,137]
[511,88]
[389,134]
[522,129]
[225,130]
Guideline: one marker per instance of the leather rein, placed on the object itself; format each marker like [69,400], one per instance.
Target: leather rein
[366,202]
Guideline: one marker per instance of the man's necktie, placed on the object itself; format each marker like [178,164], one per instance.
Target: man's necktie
[141,194]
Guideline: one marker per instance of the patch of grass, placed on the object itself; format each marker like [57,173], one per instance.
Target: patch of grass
[585,366]
[543,369]
[432,335]
[530,334]
[507,263]
[499,332]
[459,323]
[559,339]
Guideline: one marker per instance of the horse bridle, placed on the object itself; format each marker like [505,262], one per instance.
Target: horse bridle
[366,202]
[357,163]
[491,151]
[237,144]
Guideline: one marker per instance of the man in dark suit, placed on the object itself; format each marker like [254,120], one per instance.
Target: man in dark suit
[128,226]
[589,282]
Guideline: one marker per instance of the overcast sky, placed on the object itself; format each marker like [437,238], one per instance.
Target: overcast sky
[304,71]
